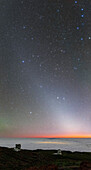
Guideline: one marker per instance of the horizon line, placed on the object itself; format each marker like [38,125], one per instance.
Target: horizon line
[72,136]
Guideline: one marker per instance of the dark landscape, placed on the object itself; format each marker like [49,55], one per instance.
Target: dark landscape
[43,160]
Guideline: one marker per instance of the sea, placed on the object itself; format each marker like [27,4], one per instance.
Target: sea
[67,144]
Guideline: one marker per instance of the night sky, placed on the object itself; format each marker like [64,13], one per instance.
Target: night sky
[45,68]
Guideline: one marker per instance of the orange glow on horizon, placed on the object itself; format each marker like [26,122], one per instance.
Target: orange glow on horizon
[63,136]
[52,136]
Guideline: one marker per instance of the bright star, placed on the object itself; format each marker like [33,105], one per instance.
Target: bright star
[77,28]
[82,9]
[75,2]
[81,39]
[30,113]
[82,15]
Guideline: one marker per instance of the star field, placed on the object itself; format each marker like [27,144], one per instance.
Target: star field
[45,68]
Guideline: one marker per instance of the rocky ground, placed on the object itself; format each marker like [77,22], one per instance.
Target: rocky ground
[43,160]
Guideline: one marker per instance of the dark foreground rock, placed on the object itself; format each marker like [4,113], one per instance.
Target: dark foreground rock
[43,160]
[50,167]
[85,166]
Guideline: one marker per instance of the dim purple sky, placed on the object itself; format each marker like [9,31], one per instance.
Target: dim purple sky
[45,68]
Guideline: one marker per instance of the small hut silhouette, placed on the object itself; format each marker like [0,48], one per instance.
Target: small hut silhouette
[17,147]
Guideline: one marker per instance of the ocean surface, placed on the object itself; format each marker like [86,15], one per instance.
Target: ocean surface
[69,144]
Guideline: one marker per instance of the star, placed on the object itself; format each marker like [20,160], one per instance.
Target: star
[63,98]
[24,27]
[41,86]
[82,9]
[32,38]
[75,2]
[58,10]
[23,61]
[77,28]
[81,38]
[78,59]
[82,15]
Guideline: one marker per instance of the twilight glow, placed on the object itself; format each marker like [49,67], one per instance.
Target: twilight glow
[45,68]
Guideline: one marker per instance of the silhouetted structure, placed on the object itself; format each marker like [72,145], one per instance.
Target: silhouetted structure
[58,152]
[17,147]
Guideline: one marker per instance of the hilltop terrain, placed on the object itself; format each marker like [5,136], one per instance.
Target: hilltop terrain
[43,159]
